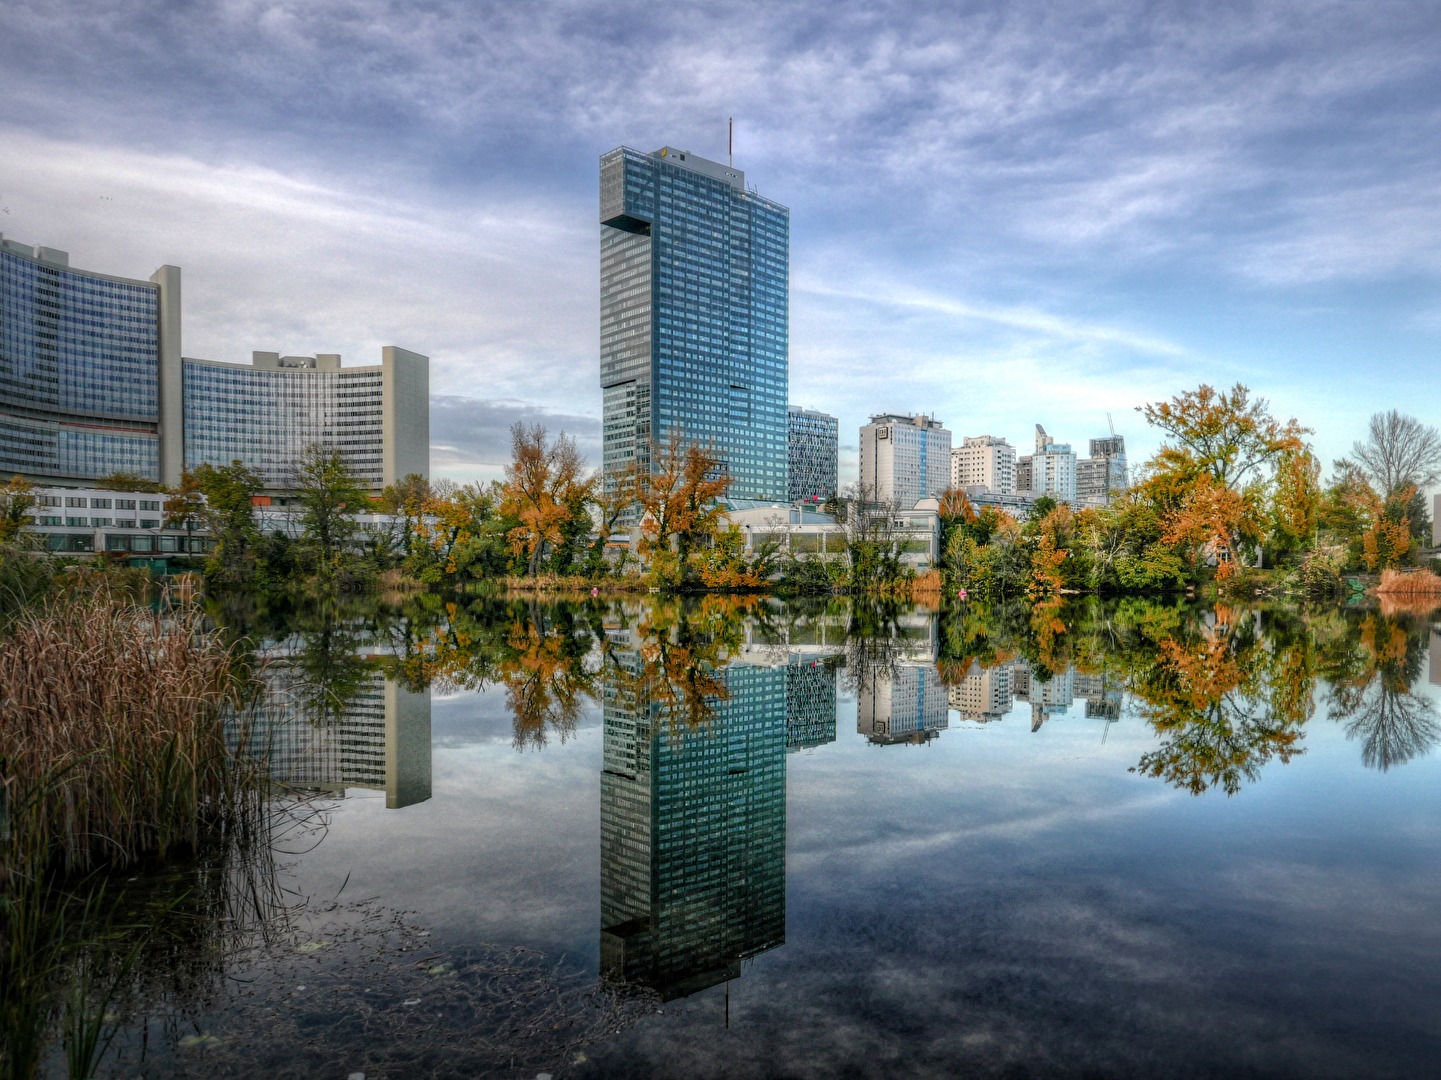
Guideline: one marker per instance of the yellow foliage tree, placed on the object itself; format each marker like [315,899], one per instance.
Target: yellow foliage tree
[544,489]
[679,498]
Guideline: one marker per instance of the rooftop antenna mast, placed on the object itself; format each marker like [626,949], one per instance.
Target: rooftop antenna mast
[731,142]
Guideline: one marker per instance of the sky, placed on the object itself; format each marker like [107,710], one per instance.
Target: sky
[1002,214]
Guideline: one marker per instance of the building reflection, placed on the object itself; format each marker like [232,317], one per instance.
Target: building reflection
[810,703]
[906,704]
[693,821]
[985,694]
[330,719]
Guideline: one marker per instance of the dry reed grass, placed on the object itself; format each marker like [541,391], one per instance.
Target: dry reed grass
[1409,583]
[113,733]
[568,586]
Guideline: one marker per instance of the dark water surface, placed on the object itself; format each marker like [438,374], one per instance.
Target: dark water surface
[1101,841]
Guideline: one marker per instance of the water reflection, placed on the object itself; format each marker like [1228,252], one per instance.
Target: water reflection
[1225,691]
[693,814]
[704,705]
[331,715]
[1372,692]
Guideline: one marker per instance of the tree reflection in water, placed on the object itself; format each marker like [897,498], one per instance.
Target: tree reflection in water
[1226,690]
[1371,690]
[328,670]
[674,656]
[543,668]
[1225,701]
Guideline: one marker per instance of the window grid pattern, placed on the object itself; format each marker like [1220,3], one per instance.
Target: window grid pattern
[984,461]
[693,825]
[39,449]
[814,456]
[266,418]
[77,345]
[695,291]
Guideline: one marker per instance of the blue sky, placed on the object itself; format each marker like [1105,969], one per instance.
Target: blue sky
[1004,214]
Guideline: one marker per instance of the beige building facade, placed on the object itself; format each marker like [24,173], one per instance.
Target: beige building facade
[905,458]
[986,461]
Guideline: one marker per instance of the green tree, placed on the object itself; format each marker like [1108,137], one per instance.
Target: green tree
[17,497]
[459,536]
[330,496]
[223,500]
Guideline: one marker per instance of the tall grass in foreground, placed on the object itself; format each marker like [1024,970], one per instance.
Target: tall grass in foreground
[113,751]
[112,733]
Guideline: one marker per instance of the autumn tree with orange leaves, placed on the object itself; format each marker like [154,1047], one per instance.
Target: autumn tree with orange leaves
[679,499]
[546,490]
[1228,458]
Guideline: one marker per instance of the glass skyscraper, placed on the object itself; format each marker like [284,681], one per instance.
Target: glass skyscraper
[694,316]
[80,368]
[814,455]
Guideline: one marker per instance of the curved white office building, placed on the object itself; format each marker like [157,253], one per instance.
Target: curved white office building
[266,412]
[92,382]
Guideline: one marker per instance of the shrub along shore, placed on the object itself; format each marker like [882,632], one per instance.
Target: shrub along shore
[1232,499]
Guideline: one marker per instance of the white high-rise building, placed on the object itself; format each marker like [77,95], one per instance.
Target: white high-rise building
[984,460]
[1053,468]
[905,459]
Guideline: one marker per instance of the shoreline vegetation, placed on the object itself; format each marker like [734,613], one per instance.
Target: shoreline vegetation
[1231,505]
[116,754]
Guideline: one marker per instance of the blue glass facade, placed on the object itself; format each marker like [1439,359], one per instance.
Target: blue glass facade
[267,417]
[79,371]
[693,832]
[695,296]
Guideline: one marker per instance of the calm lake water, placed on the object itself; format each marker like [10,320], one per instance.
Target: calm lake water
[744,839]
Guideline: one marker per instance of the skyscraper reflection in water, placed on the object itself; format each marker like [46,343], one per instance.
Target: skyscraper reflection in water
[329,722]
[693,826]
[908,704]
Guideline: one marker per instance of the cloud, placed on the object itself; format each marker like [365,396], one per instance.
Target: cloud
[1017,318]
[1001,213]
[470,437]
